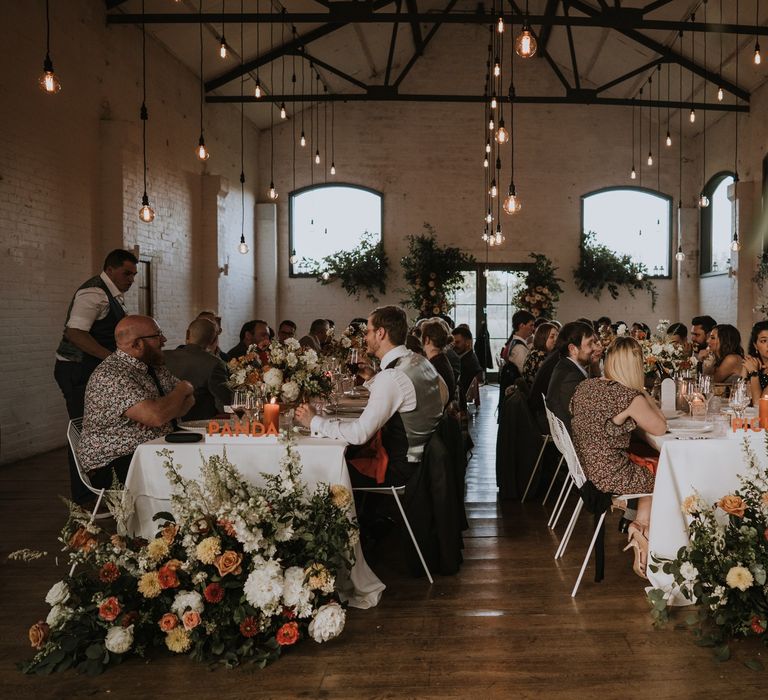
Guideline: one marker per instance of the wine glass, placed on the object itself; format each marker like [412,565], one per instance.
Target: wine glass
[740,398]
[239,398]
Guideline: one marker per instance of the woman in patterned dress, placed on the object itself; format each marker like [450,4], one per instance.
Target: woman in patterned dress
[605,413]
[543,342]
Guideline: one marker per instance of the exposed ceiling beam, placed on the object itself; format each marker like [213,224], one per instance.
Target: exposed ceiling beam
[670,54]
[651,6]
[631,74]
[418,39]
[572,49]
[111,4]
[381,93]
[392,44]
[546,31]
[331,69]
[616,18]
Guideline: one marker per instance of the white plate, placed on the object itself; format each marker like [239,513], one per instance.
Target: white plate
[690,426]
[672,415]
[196,426]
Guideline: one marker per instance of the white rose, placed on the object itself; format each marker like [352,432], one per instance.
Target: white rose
[292,344]
[295,593]
[656,349]
[290,391]
[291,360]
[58,594]
[238,377]
[187,600]
[119,639]
[310,358]
[59,613]
[327,623]
[273,377]
[689,572]
[346,342]
[264,586]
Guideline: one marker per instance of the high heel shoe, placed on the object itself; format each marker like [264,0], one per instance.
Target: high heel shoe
[639,543]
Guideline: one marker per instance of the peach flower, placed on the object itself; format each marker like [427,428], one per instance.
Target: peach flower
[168,622]
[733,505]
[228,563]
[38,634]
[191,619]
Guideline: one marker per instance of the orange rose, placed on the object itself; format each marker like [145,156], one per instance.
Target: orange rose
[167,578]
[733,505]
[109,609]
[287,634]
[109,573]
[191,619]
[82,539]
[228,527]
[169,532]
[38,634]
[173,564]
[168,622]
[228,563]
[252,378]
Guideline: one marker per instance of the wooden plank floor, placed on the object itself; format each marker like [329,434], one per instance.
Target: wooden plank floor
[504,627]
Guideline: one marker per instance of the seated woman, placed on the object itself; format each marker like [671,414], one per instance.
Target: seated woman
[605,413]
[726,356]
[756,362]
[543,342]
[435,335]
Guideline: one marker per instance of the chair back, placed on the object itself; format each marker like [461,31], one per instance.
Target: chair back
[73,437]
[568,450]
[553,429]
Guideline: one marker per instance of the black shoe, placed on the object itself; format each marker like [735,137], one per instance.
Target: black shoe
[624,525]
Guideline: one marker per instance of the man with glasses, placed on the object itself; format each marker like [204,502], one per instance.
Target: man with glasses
[89,337]
[130,398]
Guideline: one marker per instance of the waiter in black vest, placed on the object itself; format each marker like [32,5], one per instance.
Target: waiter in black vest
[405,404]
[89,337]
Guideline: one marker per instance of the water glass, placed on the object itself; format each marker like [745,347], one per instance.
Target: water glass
[740,398]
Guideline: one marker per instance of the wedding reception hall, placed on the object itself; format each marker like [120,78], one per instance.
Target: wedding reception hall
[384,349]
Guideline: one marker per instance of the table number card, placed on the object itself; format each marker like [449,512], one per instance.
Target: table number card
[668,393]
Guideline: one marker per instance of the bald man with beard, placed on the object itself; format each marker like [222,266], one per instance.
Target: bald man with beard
[130,398]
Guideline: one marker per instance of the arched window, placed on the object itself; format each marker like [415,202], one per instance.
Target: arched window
[717,225]
[632,221]
[326,219]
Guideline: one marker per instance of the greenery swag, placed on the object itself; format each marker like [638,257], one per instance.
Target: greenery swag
[542,289]
[600,268]
[432,272]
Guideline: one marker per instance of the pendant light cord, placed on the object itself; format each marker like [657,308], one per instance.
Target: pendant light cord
[143,113]
[242,133]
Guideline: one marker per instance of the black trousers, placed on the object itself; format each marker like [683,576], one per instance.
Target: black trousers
[72,378]
[102,478]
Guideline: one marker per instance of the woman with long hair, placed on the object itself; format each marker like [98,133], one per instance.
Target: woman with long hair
[756,362]
[605,412]
[543,342]
[726,356]
[435,336]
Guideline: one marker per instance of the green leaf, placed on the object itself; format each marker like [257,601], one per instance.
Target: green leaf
[164,515]
[95,651]
[723,653]
[754,665]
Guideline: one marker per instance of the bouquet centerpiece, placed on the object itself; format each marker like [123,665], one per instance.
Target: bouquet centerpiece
[236,573]
[541,290]
[351,338]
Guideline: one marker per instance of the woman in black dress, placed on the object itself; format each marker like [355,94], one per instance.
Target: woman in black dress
[435,335]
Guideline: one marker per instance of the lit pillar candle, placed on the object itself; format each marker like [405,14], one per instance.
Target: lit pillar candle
[272,415]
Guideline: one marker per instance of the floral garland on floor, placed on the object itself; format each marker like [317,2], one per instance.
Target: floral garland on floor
[237,573]
[284,370]
[542,289]
[724,565]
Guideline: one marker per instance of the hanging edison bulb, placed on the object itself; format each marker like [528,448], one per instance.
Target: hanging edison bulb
[488,146]
[491,124]
[258,92]
[679,255]
[735,244]
[489,217]
[283,113]
[49,81]
[757,58]
[317,156]
[223,48]
[243,247]
[485,162]
[201,151]
[703,201]
[485,235]
[491,240]
[692,115]
[502,135]
[669,139]
[633,174]
[494,102]
[526,44]
[326,275]
[650,158]
[496,68]
[500,25]
[639,276]
[272,192]
[720,94]
[146,213]
[303,139]
[294,258]
[499,235]
[512,203]
[494,189]
[333,168]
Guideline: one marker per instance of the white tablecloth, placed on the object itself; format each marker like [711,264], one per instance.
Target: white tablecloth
[711,467]
[322,460]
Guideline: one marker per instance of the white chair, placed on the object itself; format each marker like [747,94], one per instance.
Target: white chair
[73,437]
[396,492]
[567,487]
[579,478]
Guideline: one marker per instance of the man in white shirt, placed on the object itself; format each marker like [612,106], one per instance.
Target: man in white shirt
[523,325]
[89,337]
[405,404]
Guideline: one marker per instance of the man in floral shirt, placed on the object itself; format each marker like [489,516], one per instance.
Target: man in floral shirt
[130,399]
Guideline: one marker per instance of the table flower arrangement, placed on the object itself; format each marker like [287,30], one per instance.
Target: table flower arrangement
[661,357]
[293,373]
[541,290]
[245,372]
[351,338]
[236,573]
[724,565]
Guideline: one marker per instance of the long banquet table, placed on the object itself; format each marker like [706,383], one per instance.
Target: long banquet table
[710,467]
[322,461]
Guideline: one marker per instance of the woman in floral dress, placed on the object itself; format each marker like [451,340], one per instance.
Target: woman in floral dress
[543,342]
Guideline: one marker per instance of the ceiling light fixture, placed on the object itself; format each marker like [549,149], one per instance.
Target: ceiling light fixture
[333,137]
[223,42]
[703,199]
[526,44]
[757,58]
[243,246]
[258,92]
[146,213]
[48,81]
[201,150]
[680,255]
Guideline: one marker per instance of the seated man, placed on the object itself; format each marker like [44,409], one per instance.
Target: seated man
[318,335]
[252,333]
[576,343]
[130,399]
[470,365]
[406,402]
[286,329]
[216,321]
[203,370]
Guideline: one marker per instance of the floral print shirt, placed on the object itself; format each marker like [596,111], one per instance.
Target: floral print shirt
[119,382]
